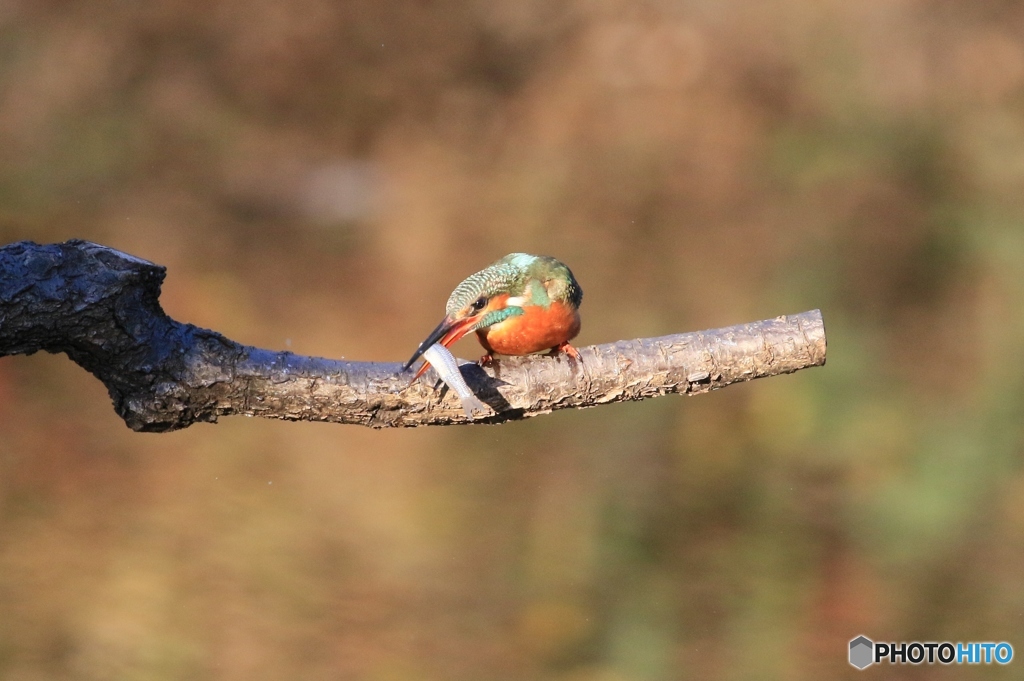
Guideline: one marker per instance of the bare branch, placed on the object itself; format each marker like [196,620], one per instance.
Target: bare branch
[100,306]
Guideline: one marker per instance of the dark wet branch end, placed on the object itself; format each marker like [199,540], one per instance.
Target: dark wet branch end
[100,307]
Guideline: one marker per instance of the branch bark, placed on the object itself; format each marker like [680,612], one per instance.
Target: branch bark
[100,307]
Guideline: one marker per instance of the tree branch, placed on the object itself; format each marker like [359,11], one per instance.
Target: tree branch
[100,307]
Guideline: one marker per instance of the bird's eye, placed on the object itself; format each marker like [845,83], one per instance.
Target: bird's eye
[479,303]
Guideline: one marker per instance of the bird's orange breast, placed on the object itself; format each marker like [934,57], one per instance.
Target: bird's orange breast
[537,329]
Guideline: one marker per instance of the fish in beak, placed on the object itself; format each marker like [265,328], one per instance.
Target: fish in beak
[447,332]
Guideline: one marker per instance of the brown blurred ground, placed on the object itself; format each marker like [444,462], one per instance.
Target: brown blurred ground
[318,175]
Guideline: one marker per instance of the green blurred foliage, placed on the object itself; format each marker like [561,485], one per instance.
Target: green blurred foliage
[318,175]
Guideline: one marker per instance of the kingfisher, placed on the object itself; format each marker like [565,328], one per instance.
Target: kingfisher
[519,305]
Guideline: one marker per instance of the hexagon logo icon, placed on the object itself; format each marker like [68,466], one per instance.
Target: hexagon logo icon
[861,652]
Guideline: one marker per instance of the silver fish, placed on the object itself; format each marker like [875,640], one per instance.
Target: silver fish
[447,368]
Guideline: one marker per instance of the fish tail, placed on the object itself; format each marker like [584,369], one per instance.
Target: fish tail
[472,403]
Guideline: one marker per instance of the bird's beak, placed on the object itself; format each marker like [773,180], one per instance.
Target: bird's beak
[446,333]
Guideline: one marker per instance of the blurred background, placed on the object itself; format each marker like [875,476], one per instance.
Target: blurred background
[318,175]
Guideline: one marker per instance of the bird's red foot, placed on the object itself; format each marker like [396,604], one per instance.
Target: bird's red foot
[567,349]
[486,360]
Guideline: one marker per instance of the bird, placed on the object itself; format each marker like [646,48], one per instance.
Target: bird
[519,305]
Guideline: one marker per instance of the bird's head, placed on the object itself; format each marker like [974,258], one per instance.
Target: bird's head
[500,291]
